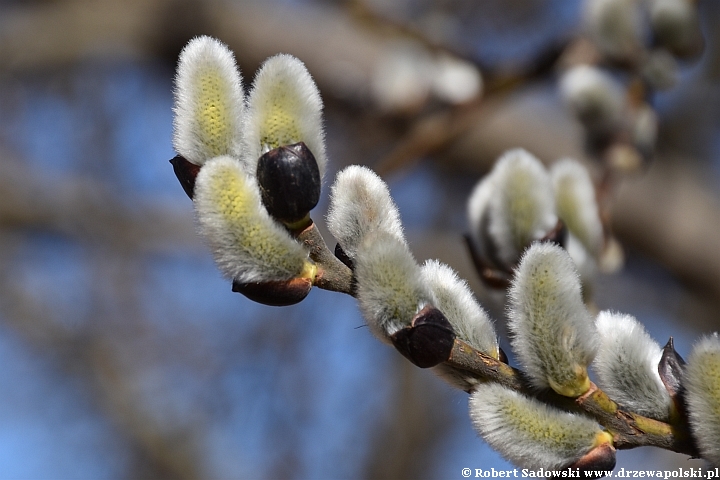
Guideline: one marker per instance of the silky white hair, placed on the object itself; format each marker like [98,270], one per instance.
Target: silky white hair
[452,296]
[478,217]
[389,287]
[360,204]
[675,22]
[248,245]
[522,206]
[593,96]
[209,102]
[284,107]
[576,204]
[616,26]
[553,334]
[531,434]
[627,365]
[702,383]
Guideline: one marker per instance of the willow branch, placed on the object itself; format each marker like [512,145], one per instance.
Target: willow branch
[629,429]
[332,274]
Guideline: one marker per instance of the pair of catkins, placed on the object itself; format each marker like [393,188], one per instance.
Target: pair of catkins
[253,167]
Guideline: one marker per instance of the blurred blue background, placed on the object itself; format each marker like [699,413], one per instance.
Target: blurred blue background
[124,354]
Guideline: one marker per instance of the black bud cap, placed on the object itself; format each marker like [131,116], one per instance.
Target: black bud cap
[289,181]
[185,173]
[276,294]
[428,341]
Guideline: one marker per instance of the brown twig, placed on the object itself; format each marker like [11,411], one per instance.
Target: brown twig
[332,273]
[629,429]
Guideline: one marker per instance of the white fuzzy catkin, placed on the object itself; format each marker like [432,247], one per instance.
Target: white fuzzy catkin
[585,263]
[247,244]
[529,433]
[284,107]
[702,383]
[627,365]
[452,296]
[660,70]
[478,215]
[674,23]
[360,204]
[522,207]
[616,26]
[456,81]
[389,287]
[593,96]
[553,334]
[209,103]
[402,77]
[576,204]
[645,129]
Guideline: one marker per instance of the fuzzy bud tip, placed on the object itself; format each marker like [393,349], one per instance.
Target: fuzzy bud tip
[535,435]
[284,108]
[209,102]
[553,333]
[702,381]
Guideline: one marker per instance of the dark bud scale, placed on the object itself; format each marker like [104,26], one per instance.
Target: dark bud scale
[598,460]
[185,173]
[502,355]
[289,181]
[428,341]
[557,235]
[276,294]
[671,369]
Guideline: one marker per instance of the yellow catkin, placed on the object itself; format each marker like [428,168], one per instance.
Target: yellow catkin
[709,368]
[248,244]
[212,114]
[568,209]
[279,121]
[530,433]
[522,207]
[702,381]
[568,378]
[553,334]
[543,428]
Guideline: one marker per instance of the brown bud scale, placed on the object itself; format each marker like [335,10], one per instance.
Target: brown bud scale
[185,173]
[428,341]
[276,294]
